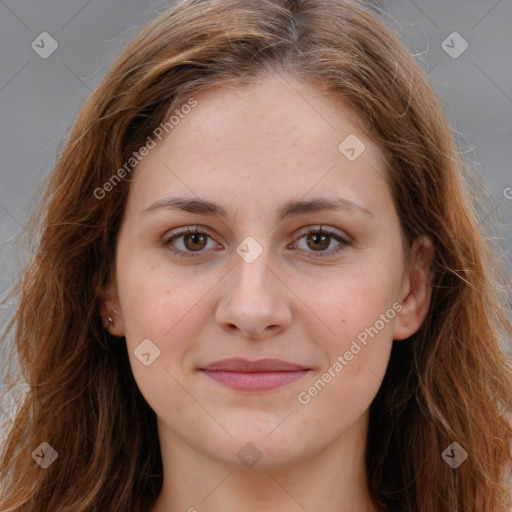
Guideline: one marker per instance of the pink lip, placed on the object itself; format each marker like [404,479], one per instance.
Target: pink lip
[261,375]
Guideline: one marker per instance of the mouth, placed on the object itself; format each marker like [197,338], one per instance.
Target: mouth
[261,375]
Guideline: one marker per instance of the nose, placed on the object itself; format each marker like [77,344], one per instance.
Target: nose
[255,302]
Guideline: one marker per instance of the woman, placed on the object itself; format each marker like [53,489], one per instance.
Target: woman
[258,283]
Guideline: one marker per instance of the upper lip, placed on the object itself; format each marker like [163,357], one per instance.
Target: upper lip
[237,364]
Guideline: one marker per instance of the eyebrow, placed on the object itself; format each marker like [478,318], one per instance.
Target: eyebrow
[289,209]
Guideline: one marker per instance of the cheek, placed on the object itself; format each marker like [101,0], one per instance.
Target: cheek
[156,299]
[170,309]
[343,389]
[349,301]
[165,309]
[358,310]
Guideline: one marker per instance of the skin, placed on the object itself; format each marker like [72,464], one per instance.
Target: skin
[251,148]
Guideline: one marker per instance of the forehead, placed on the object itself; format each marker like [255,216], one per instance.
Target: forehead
[277,134]
[276,110]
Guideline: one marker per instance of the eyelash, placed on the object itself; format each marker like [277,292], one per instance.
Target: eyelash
[319,231]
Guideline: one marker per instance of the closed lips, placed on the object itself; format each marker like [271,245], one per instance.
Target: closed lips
[246,366]
[254,376]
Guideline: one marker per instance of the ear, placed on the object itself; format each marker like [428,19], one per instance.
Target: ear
[110,308]
[416,290]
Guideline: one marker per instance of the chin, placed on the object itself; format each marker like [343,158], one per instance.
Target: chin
[253,450]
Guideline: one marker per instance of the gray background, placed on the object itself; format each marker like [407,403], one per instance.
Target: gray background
[39,98]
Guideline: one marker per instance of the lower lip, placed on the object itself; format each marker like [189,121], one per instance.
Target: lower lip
[257,381]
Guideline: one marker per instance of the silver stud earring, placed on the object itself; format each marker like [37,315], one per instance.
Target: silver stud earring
[109,318]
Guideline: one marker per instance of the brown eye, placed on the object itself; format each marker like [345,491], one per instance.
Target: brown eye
[191,242]
[194,241]
[187,242]
[318,240]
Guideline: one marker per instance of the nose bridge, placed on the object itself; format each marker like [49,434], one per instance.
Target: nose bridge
[251,265]
[255,299]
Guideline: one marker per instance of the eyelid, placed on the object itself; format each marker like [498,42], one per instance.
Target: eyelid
[327,230]
[185,230]
[343,239]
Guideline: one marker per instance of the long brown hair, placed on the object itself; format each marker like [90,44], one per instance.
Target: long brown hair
[449,382]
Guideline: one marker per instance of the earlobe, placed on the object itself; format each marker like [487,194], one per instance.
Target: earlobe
[110,311]
[417,289]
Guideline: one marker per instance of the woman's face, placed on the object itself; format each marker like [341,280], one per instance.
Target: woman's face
[253,284]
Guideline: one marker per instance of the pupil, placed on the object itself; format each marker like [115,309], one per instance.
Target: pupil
[194,237]
[324,239]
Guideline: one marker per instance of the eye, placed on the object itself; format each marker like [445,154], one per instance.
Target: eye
[320,239]
[194,240]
